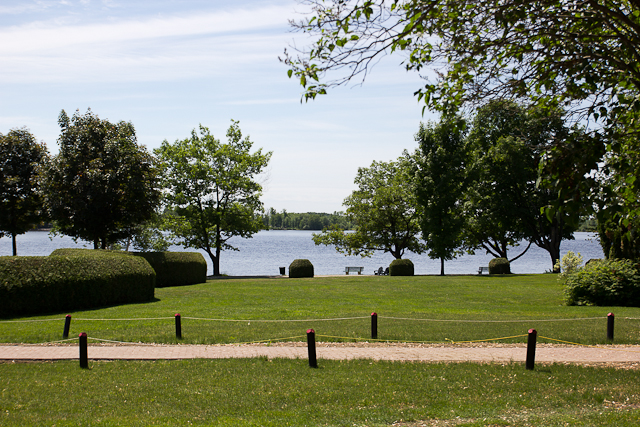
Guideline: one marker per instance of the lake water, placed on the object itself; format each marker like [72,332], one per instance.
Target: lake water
[268,250]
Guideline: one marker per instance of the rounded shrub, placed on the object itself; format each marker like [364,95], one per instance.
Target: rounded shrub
[301,268]
[499,266]
[401,267]
[604,282]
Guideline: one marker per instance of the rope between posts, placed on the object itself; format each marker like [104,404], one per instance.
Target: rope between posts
[52,342]
[121,342]
[274,321]
[490,321]
[588,345]
[377,340]
[269,340]
[128,320]
[29,321]
[487,339]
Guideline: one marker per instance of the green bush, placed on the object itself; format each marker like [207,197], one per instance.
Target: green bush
[176,268]
[301,268]
[401,267]
[499,266]
[604,282]
[37,285]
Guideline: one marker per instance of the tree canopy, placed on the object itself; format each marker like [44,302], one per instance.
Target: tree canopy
[101,184]
[20,200]
[384,211]
[211,189]
[578,55]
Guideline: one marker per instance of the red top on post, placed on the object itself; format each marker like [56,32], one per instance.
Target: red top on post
[311,331]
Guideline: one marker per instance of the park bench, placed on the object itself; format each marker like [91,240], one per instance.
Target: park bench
[483,270]
[358,270]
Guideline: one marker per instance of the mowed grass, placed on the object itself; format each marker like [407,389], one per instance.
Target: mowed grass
[421,308]
[260,392]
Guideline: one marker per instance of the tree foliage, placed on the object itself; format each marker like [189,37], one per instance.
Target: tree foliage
[579,55]
[20,200]
[384,211]
[440,181]
[101,184]
[211,189]
[507,143]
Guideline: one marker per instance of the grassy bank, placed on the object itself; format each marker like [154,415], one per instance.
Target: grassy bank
[257,392]
[422,308]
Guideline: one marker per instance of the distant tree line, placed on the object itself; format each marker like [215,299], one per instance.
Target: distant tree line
[304,221]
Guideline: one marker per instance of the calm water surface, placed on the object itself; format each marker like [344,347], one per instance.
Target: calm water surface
[268,250]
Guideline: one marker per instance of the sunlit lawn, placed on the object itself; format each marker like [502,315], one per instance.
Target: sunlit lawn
[260,392]
[421,308]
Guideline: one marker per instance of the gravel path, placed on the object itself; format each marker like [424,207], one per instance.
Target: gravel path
[612,355]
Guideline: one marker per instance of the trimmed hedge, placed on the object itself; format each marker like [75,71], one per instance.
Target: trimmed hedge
[300,268]
[176,268]
[499,266]
[604,282]
[401,267]
[38,285]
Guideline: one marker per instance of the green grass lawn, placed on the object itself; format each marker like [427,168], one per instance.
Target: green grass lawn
[260,392]
[422,308]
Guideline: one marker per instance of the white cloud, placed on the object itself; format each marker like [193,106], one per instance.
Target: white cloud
[154,48]
[44,36]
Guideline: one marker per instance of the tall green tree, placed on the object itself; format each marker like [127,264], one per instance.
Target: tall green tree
[211,188]
[440,181]
[101,184]
[504,199]
[20,201]
[384,211]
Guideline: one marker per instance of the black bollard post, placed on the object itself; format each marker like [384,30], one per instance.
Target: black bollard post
[311,343]
[84,357]
[374,326]
[67,325]
[178,327]
[531,349]
[610,321]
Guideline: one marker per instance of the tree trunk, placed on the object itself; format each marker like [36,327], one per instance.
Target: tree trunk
[216,262]
[13,243]
[442,266]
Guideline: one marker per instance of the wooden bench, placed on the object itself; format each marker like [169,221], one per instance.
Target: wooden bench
[358,270]
[483,270]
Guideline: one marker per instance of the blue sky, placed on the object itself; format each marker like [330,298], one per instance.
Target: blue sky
[168,66]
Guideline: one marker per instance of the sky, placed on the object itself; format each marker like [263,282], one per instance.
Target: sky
[169,66]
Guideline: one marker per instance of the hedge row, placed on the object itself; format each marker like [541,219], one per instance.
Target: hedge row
[37,285]
[176,268]
[172,268]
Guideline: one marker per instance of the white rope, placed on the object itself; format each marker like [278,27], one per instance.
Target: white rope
[121,342]
[127,320]
[29,321]
[492,321]
[275,321]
